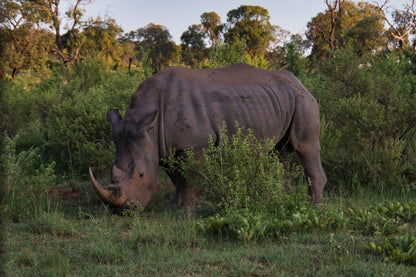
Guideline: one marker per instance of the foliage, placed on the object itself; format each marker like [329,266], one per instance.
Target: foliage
[240,175]
[249,227]
[251,25]
[67,46]
[65,118]
[368,121]
[226,54]
[158,39]
[388,223]
[99,38]
[297,63]
[86,239]
[400,249]
[211,21]
[22,45]
[346,24]
[223,55]
[26,182]
[193,45]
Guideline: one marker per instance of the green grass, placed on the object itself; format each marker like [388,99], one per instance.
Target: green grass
[83,238]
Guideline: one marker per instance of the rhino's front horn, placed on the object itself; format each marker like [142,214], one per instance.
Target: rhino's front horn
[111,194]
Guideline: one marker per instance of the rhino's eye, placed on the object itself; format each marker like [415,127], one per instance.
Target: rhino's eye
[141,175]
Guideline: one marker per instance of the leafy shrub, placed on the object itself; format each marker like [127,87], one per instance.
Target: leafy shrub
[401,249]
[228,54]
[369,121]
[294,53]
[248,227]
[388,223]
[64,115]
[17,110]
[240,175]
[78,133]
[27,181]
[76,128]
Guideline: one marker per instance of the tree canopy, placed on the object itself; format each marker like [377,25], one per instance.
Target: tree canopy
[250,24]
[211,22]
[159,41]
[193,45]
[346,24]
[35,35]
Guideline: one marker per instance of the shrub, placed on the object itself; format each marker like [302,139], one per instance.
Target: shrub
[27,181]
[228,54]
[64,115]
[17,110]
[240,175]
[78,132]
[369,121]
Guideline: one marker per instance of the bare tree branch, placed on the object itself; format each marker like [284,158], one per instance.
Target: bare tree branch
[396,33]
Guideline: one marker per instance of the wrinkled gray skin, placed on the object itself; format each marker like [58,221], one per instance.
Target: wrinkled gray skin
[180,108]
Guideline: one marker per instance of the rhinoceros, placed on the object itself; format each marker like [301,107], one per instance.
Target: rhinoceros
[181,108]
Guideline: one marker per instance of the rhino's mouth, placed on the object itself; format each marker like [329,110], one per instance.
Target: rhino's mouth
[125,193]
[112,194]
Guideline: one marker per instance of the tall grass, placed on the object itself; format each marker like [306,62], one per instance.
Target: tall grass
[27,181]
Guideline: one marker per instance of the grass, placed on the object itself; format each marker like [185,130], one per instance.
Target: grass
[83,238]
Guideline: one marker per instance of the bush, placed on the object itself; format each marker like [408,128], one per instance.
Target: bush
[369,121]
[78,133]
[228,54]
[241,175]
[64,115]
[27,181]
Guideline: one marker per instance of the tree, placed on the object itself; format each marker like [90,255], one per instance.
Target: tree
[23,45]
[366,35]
[99,37]
[210,21]
[251,25]
[193,45]
[290,55]
[68,46]
[158,39]
[346,24]
[403,24]
[324,26]
[280,36]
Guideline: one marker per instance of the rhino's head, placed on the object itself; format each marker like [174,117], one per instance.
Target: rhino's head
[135,170]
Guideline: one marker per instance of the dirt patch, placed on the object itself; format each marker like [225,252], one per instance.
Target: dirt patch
[64,193]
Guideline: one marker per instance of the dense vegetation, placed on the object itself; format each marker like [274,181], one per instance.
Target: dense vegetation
[56,90]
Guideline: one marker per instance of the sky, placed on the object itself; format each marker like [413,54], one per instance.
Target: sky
[177,15]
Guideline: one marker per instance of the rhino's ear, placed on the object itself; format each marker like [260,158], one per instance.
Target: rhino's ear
[113,116]
[150,120]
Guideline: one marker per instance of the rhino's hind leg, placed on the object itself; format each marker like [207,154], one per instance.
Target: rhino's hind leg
[304,137]
[315,175]
[184,191]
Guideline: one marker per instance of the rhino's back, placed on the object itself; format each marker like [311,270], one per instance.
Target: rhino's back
[194,103]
